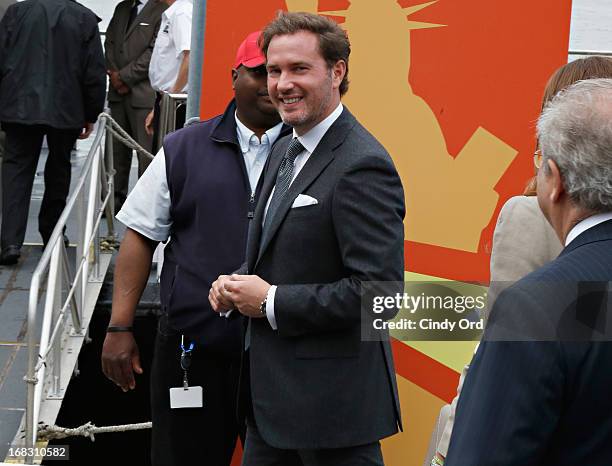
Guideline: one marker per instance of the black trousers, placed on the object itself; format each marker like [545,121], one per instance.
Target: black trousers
[23,145]
[258,453]
[205,436]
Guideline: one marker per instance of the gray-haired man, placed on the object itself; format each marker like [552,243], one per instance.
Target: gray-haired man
[556,404]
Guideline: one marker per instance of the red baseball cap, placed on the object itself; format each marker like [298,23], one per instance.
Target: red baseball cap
[249,54]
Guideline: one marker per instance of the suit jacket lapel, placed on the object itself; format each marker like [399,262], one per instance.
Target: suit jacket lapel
[145,11]
[315,164]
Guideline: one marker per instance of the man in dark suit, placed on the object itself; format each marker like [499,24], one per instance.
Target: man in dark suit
[59,98]
[130,38]
[545,399]
[330,218]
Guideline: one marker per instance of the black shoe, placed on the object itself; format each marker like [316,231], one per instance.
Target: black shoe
[10,255]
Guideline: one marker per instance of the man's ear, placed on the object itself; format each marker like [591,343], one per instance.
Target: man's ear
[234,77]
[338,73]
[556,181]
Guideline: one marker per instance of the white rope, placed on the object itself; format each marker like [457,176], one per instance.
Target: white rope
[88,430]
[120,134]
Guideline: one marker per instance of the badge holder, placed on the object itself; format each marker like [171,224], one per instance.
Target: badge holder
[186,396]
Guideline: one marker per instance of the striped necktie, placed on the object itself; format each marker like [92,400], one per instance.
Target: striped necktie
[283,181]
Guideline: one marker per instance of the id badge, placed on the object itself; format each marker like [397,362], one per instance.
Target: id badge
[190,397]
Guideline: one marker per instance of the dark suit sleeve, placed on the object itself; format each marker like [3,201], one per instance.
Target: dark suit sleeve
[511,400]
[367,211]
[94,74]
[138,70]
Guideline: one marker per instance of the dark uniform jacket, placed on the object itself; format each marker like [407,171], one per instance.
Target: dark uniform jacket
[51,64]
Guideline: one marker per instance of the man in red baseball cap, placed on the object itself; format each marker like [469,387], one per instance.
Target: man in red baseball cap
[199,193]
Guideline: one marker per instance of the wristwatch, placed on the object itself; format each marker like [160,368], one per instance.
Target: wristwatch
[262,307]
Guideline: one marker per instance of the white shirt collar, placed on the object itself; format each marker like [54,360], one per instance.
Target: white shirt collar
[311,139]
[585,224]
[245,135]
[175,6]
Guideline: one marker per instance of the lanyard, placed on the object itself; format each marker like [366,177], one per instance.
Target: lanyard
[186,360]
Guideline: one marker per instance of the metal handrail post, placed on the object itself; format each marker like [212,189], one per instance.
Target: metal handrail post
[97,194]
[196,59]
[74,306]
[31,375]
[57,307]
[163,116]
[91,208]
[110,172]
[80,248]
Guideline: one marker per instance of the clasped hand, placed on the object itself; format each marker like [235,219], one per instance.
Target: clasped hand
[244,293]
[117,82]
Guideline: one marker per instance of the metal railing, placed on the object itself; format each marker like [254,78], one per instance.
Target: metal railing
[169,107]
[69,293]
[590,52]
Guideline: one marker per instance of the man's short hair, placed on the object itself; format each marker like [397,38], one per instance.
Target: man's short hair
[333,42]
[575,130]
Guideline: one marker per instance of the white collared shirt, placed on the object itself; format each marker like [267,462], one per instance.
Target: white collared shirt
[310,141]
[255,152]
[147,208]
[173,38]
[586,224]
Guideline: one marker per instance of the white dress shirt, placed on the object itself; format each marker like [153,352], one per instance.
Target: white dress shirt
[173,38]
[255,151]
[310,141]
[586,224]
[147,208]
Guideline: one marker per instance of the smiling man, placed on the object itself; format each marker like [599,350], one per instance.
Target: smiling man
[216,163]
[330,218]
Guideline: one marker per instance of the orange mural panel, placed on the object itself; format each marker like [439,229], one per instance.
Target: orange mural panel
[452,89]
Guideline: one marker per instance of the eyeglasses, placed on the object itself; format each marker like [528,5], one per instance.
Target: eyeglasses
[537,159]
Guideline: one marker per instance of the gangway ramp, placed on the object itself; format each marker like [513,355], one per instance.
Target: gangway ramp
[48,298]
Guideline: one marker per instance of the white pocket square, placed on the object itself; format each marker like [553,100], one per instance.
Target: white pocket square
[303,200]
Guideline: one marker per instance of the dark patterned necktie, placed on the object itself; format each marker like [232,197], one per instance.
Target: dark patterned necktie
[133,14]
[283,180]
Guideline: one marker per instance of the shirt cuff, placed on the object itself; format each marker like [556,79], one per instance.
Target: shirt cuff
[270,307]
[226,314]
